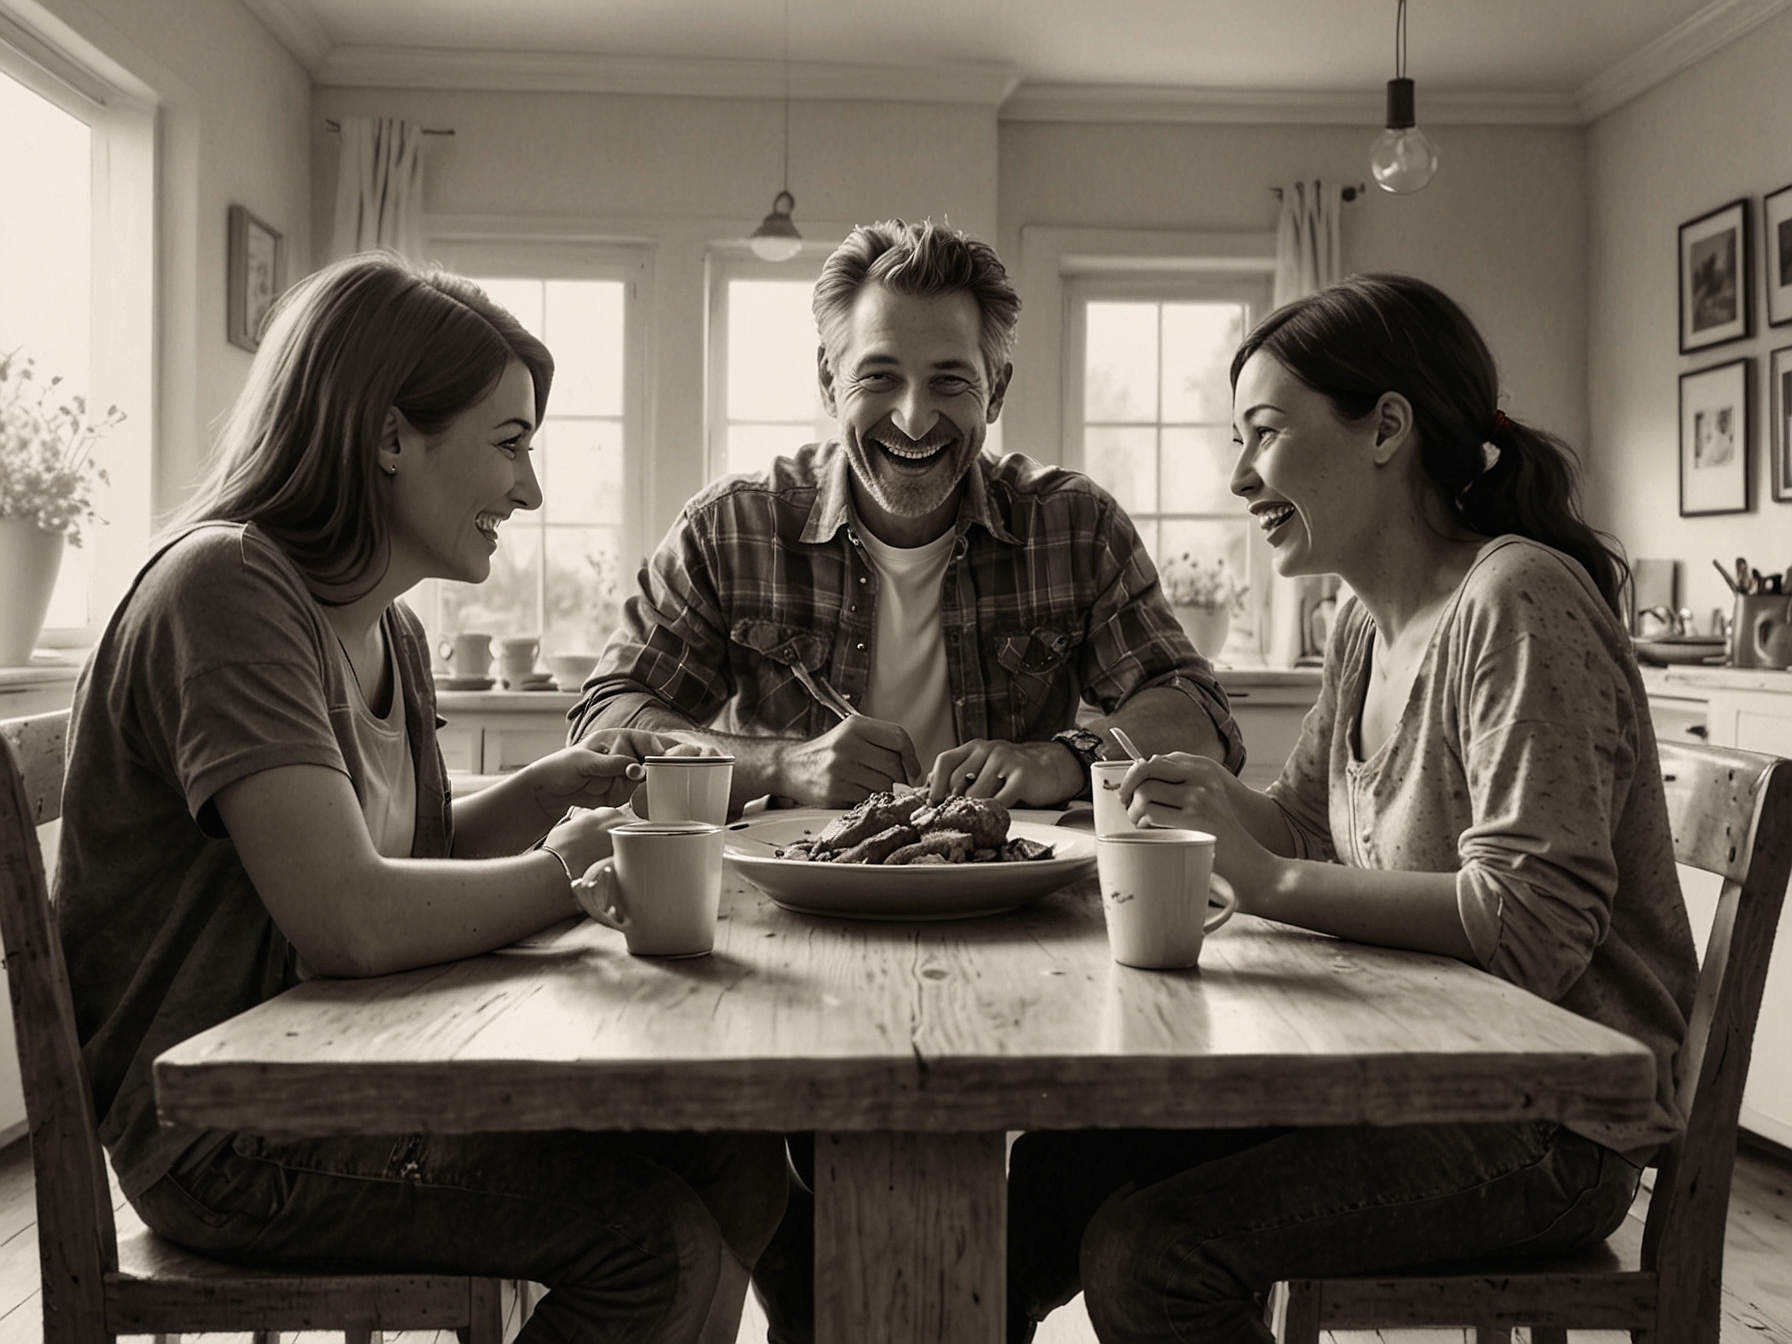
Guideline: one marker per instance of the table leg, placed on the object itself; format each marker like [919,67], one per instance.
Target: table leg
[910,1238]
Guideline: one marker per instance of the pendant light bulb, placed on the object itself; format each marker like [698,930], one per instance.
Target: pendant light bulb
[776,238]
[1403,158]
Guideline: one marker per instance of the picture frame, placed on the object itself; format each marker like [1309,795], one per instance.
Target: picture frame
[1716,278]
[1715,439]
[256,277]
[1780,371]
[1776,238]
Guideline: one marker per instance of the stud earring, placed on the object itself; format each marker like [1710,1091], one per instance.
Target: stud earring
[391,471]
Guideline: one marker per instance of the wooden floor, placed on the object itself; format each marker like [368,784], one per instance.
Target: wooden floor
[1757,1272]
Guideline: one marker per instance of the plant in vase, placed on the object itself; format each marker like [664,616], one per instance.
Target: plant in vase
[47,482]
[1203,594]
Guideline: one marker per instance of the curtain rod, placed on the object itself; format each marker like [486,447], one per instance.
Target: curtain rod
[427,130]
[1349,193]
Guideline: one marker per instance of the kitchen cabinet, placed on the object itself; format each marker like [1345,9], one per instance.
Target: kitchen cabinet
[1270,705]
[497,732]
[1749,708]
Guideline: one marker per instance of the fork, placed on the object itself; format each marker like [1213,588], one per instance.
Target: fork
[825,695]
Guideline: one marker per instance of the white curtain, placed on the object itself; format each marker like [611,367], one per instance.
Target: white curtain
[379,188]
[1309,256]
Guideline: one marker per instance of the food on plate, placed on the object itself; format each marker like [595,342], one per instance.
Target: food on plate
[897,829]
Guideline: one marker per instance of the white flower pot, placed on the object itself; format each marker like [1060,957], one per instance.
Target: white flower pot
[1206,627]
[29,559]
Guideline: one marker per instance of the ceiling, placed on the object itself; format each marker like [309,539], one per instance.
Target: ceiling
[1560,59]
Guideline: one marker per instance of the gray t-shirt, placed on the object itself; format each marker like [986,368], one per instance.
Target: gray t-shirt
[1524,763]
[217,665]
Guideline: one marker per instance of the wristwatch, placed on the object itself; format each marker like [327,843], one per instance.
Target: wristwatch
[1084,744]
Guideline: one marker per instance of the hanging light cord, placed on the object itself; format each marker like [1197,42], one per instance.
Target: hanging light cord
[787,90]
[1399,41]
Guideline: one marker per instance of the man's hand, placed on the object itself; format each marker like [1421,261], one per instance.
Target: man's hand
[1015,774]
[846,765]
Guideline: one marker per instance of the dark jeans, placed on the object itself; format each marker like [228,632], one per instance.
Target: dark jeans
[627,1231]
[1178,1235]
[784,1277]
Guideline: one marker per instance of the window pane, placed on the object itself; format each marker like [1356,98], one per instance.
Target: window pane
[1206,541]
[1199,339]
[1197,464]
[1120,367]
[585,588]
[1124,460]
[585,332]
[771,351]
[521,298]
[752,447]
[506,603]
[581,471]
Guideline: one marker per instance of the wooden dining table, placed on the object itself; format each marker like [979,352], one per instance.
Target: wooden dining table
[911,1049]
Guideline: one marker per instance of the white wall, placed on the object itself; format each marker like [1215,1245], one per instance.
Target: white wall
[1502,228]
[233,106]
[1711,134]
[677,174]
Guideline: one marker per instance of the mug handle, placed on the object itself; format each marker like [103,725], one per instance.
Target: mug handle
[599,894]
[1228,903]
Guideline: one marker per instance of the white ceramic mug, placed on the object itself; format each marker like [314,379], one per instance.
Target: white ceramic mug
[689,788]
[571,669]
[1155,888]
[1104,787]
[516,657]
[468,655]
[661,888]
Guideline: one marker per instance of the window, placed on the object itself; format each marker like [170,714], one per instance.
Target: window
[1149,410]
[765,397]
[559,571]
[76,275]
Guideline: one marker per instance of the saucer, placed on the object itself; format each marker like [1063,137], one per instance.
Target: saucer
[464,683]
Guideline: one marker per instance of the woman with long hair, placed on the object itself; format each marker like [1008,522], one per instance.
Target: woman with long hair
[255,794]
[1478,779]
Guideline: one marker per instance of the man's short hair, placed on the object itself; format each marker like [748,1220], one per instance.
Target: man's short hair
[924,260]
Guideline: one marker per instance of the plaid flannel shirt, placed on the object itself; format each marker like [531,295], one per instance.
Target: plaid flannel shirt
[1050,597]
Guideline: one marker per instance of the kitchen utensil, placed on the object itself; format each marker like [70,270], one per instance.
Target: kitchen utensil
[1728,578]
[825,695]
[1743,582]
[1126,744]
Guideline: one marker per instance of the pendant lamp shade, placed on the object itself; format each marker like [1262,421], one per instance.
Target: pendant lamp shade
[776,238]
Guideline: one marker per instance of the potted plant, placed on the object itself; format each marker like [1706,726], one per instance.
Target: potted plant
[1203,595]
[47,480]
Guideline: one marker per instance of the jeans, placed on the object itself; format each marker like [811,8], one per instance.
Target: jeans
[1179,1235]
[627,1231]
[784,1277]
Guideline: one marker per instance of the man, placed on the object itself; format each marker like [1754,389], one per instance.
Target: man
[957,605]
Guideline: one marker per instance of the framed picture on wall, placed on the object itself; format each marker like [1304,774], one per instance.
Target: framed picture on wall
[1776,225]
[1779,365]
[1716,293]
[1714,439]
[256,277]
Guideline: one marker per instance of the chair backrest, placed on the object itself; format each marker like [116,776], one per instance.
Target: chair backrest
[1731,813]
[77,1239]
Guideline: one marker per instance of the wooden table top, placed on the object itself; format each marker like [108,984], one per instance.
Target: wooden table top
[1013,1022]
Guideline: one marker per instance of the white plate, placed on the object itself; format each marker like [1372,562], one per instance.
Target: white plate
[927,891]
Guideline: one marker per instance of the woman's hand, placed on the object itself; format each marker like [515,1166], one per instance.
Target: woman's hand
[583,838]
[1198,794]
[601,771]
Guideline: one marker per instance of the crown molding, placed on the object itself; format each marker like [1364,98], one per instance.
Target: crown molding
[1716,25]
[1310,107]
[418,68]
[297,27]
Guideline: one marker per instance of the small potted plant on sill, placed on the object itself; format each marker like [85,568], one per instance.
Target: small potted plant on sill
[1203,594]
[47,481]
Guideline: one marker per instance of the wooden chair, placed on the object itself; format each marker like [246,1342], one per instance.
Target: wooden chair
[1732,815]
[100,1278]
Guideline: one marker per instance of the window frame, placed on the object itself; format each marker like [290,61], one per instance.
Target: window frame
[724,263]
[1138,280]
[122,319]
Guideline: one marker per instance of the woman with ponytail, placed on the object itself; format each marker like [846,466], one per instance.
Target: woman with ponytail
[1478,780]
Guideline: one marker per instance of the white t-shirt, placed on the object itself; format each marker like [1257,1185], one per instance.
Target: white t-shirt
[389,788]
[908,651]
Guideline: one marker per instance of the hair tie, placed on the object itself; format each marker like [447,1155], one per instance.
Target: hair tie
[1499,421]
